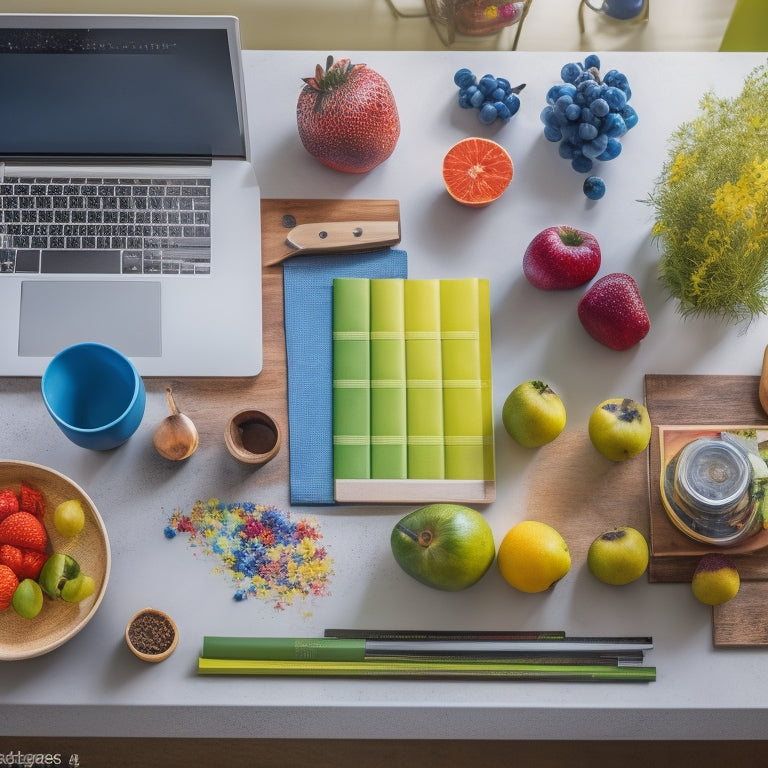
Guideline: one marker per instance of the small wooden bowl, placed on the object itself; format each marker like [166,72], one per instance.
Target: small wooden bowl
[151,635]
[252,437]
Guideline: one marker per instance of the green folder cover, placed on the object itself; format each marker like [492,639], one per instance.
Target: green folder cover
[466,370]
[423,366]
[389,449]
[351,378]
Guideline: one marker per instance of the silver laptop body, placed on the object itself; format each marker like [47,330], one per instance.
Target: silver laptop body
[96,110]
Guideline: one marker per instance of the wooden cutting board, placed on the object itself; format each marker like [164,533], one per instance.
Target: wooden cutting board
[725,400]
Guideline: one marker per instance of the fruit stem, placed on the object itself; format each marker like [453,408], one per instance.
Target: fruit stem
[570,236]
[424,537]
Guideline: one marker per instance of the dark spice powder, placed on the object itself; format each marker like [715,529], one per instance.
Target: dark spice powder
[151,633]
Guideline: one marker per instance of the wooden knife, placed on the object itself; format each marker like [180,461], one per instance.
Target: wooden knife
[338,237]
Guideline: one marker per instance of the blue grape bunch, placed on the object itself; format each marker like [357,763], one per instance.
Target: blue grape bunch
[588,115]
[494,97]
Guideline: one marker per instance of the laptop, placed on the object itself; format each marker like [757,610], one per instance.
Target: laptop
[129,209]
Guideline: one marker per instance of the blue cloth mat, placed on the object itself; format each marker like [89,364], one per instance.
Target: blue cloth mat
[308,302]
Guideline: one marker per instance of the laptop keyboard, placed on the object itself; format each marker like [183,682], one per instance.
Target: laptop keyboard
[136,226]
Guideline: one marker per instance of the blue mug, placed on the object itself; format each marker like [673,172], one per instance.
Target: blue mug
[619,9]
[94,394]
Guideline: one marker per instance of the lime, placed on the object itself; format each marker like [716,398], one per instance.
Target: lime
[69,517]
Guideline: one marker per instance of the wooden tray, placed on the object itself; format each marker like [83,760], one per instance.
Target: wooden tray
[707,400]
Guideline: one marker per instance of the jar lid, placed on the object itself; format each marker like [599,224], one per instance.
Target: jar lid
[712,475]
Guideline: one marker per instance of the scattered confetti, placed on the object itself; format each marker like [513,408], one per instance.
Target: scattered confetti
[264,552]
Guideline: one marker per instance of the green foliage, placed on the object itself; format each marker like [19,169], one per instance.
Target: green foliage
[711,206]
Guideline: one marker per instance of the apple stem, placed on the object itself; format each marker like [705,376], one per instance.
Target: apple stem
[424,537]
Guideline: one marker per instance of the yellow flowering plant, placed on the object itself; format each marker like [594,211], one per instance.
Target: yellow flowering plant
[711,206]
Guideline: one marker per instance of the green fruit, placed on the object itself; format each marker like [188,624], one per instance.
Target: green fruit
[57,571]
[69,517]
[445,546]
[715,580]
[620,428]
[533,414]
[619,556]
[27,599]
[78,589]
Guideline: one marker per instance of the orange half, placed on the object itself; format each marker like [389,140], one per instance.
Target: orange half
[477,171]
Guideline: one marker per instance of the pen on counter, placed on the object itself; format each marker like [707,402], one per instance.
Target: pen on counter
[428,670]
[444,634]
[358,649]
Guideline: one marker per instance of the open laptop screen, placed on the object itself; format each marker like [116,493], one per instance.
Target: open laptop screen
[141,92]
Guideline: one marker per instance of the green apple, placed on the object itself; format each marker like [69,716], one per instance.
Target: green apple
[533,414]
[78,589]
[27,599]
[620,428]
[445,546]
[57,571]
[619,556]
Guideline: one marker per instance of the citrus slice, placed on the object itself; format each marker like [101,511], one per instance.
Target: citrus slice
[477,171]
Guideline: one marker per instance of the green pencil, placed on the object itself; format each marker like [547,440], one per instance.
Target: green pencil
[449,670]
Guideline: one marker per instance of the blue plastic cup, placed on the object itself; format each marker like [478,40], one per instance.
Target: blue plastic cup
[94,394]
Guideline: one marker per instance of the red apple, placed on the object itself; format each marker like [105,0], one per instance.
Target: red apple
[561,257]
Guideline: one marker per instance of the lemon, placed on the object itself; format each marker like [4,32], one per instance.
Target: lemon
[533,556]
[69,517]
[715,580]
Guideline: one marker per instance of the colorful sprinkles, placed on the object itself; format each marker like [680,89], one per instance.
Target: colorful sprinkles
[265,553]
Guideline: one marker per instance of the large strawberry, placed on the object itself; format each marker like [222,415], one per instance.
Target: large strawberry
[612,312]
[347,117]
[23,530]
[8,584]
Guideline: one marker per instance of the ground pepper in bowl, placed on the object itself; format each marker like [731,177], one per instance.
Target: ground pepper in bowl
[151,635]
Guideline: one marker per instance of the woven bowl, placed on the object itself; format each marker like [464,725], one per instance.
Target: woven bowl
[58,621]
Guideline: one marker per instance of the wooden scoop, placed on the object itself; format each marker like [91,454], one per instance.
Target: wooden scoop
[763,388]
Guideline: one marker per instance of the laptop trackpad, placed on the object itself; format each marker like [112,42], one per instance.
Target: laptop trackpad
[58,313]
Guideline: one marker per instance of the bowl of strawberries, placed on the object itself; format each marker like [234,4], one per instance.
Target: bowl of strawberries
[54,559]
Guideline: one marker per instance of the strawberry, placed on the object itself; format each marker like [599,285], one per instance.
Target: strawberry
[11,556]
[31,564]
[8,503]
[347,117]
[32,501]
[612,312]
[23,530]
[8,584]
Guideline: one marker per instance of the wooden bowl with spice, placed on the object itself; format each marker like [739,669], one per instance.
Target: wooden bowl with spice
[151,635]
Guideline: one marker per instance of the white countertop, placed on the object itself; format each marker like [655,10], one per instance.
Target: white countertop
[94,686]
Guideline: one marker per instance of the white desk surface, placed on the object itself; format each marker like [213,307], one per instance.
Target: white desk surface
[93,686]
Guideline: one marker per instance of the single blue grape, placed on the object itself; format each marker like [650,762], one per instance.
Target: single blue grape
[630,116]
[498,94]
[612,150]
[477,99]
[553,94]
[614,125]
[570,72]
[552,133]
[562,104]
[487,84]
[615,98]
[573,112]
[566,149]
[580,163]
[502,110]
[587,131]
[512,103]
[488,114]
[504,84]
[593,60]
[464,77]
[464,99]
[546,114]
[596,146]
[594,187]
[586,115]
[600,107]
